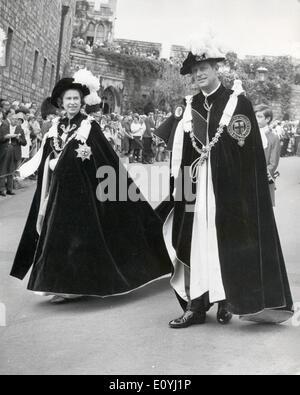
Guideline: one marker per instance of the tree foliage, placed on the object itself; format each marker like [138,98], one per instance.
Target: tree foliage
[135,66]
[170,90]
[171,87]
[277,86]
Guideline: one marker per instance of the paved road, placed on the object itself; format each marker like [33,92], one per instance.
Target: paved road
[130,335]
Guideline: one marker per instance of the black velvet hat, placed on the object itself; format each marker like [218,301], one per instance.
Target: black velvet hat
[64,85]
[192,60]
[89,109]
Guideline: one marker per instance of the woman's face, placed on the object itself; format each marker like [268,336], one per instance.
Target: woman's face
[72,102]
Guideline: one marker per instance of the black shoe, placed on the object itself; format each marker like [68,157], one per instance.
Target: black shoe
[224,316]
[3,194]
[188,319]
[10,193]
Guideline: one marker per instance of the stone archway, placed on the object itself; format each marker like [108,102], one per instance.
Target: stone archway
[100,34]
[90,34]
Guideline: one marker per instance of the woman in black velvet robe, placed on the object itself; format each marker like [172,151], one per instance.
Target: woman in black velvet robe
[85,246]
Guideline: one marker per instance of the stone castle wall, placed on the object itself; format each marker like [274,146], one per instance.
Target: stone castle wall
[34,31]
[112,76]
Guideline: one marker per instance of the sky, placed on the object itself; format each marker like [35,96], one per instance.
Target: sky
[249,27]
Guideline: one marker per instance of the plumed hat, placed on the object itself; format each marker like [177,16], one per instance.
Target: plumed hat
[83,81]
[202,51]
[64,85]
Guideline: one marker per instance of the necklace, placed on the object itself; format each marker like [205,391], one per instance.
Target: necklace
[205,150]
[60,142]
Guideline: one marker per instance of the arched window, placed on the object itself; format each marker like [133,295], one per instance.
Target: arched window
[100,34]
[90,34]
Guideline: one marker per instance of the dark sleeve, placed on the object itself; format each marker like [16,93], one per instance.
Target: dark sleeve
[166,131]
[4,130]
[257,146]
[22,139]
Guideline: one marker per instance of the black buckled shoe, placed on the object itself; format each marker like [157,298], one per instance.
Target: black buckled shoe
[224,316]
[188,319]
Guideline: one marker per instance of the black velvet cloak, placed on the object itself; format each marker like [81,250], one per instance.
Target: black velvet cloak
[252,263]
[87,247]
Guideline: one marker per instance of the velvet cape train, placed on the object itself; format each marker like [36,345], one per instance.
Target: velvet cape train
[88,247]
[251,258]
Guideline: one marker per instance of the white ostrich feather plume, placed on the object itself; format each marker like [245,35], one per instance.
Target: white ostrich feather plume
[85,77]
[92,99]
[207,45]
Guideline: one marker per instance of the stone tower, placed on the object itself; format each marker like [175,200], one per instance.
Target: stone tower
[95,21]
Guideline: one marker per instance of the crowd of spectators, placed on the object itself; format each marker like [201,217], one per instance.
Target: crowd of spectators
[131,135]
[132,50]
[289,134]
[21,132]
[22,128]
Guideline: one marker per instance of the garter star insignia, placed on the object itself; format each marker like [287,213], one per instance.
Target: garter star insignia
[240,128]
[84,152]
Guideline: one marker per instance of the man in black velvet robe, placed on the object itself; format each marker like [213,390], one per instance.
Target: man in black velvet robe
[221,234]
[76,243]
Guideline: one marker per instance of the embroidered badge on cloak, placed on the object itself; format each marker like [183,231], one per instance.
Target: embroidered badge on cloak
[240,128]
[84,152]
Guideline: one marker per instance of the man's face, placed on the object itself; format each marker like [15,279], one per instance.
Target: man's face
[72,102]
[97,115]
[261,120]
[204,74]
